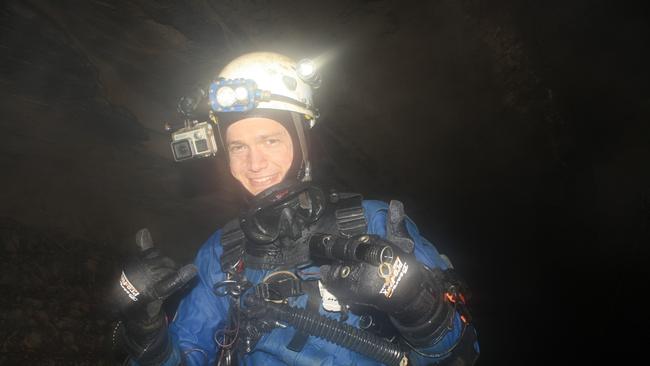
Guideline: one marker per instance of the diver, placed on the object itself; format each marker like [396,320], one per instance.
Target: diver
[304,276]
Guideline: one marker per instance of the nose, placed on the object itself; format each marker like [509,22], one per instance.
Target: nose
[258,160]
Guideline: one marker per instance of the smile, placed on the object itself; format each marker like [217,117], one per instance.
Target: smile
[263,180]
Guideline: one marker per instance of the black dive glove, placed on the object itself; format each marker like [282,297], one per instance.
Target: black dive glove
[145,282]
[401,287]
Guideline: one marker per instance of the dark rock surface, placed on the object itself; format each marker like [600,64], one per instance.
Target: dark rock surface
[516,133]
[52,308]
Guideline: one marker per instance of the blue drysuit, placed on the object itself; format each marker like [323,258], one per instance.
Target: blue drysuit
[202,313]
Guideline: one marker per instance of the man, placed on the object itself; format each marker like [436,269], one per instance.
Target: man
[303,277]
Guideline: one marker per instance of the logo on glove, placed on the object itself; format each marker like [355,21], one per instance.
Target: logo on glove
[128,287]
[393,278]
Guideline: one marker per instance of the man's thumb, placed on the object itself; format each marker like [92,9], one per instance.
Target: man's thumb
[143,239]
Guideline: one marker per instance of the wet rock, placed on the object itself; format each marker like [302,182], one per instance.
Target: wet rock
[67,324]
[91,265]
[11,245]
[69,340]
[33,340]
[48,314]
[33,303]
[15,316]
[36,280]
[42,316]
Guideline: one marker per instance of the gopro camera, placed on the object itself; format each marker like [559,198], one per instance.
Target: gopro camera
[195,140]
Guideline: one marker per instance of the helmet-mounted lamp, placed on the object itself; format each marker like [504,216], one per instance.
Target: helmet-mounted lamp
[233,95]
[307,71]
[242,95]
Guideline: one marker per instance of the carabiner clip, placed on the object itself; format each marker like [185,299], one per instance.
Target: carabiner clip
[232,288]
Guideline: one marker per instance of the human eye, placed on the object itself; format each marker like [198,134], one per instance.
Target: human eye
[272,141]
[236,148]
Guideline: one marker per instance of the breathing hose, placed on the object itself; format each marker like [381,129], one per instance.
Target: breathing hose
[342,334]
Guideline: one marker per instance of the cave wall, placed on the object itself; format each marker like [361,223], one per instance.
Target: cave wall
[516,133]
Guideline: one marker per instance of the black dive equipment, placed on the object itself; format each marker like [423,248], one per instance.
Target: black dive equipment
[360,248]
[146,280]
[292,225]
[342,334]
[282,211]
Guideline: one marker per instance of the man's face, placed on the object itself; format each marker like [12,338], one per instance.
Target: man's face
[260,151]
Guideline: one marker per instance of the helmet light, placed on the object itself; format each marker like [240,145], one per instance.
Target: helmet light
[306,70]
[241,93]
[226,96]
[233,95]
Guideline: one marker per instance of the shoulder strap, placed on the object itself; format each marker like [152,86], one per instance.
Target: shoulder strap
[350,218]
[344,215]
[232,241]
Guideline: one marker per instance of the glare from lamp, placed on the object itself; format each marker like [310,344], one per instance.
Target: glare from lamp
[226,96]
[241,93]
[306,68]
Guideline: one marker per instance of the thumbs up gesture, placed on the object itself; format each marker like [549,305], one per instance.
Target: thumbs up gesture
[146,280]
[149,278]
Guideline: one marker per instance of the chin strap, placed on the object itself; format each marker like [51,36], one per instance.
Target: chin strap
[302,139]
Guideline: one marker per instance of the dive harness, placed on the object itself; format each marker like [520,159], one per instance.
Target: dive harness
[258,309]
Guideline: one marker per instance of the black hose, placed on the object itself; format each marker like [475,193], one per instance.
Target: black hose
[339,333]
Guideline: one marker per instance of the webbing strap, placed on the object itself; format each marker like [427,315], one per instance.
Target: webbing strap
[350,217]
[232,241]
[280,290]
[299,339]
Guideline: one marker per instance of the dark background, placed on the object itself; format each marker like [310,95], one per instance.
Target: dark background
[516,133]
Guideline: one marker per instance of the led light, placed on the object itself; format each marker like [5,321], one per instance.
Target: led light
[241,93]
[307,71]
[306,68]
[226,96]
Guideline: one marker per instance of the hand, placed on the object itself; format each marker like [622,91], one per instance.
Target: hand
[388,287]
[145,282]
[148,279]
[403,289]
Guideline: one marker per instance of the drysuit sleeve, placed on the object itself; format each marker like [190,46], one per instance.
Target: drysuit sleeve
[201,313]
[459,346]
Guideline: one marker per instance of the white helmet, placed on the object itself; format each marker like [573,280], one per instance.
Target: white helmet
[266,80]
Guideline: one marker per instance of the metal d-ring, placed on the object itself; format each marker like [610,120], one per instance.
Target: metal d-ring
[345,271]
[222,288]
[230,287]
